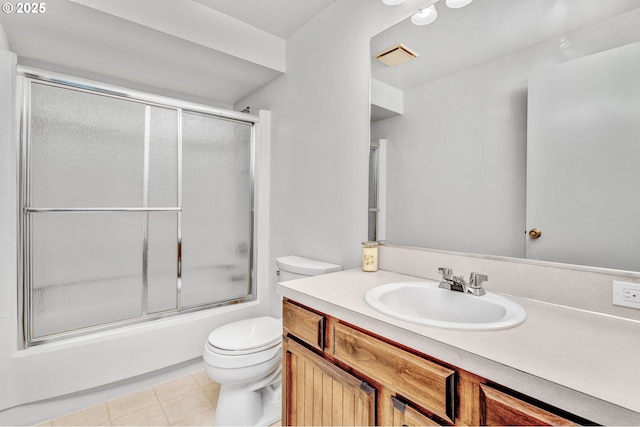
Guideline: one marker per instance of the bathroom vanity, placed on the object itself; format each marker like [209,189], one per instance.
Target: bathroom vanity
[347,364]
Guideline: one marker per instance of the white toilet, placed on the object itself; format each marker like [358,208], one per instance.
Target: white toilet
[245,358]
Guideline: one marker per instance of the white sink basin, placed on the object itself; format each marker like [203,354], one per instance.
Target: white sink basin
[427,304]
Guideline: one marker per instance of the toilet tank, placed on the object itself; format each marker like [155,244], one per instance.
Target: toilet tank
[294,267]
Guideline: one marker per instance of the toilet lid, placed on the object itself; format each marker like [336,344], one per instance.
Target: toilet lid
[251,334]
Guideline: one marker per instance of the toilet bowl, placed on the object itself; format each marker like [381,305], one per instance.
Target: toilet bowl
[245,358]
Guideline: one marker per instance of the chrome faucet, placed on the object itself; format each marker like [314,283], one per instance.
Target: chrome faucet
[457,283]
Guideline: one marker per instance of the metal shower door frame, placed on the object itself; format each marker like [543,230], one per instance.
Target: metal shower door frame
[26,76]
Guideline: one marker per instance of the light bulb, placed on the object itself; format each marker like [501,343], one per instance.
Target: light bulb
[456,4]
[425,16]
[393,2]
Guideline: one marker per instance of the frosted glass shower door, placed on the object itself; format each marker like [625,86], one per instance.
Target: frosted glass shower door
[134,207]
[101,209]
[87,269]
[216,209]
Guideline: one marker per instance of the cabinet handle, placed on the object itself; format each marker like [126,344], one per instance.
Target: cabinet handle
[321,328]
[400,406]
[364,386]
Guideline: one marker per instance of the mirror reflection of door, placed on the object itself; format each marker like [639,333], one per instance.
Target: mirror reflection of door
[583,174]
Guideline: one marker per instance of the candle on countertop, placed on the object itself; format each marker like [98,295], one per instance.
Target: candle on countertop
[370,256]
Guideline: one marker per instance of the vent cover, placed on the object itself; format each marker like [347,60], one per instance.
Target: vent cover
[396,55]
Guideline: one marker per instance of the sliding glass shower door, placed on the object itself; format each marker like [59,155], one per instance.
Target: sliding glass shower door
[131,209]
[217,209]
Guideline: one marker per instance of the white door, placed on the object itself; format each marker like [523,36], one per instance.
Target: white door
[583,161]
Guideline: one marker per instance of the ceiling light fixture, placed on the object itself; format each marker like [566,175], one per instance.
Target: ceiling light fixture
[425,16]
[456,4]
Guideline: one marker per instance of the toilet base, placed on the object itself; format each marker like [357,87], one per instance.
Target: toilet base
[238,406]
[271,404]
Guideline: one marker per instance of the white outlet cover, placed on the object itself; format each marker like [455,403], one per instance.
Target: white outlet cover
[618,294]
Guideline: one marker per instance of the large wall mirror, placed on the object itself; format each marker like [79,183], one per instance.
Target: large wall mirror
[515,131]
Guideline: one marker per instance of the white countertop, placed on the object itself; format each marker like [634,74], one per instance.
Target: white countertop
[583,362]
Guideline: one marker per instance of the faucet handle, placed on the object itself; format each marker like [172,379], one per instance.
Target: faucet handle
[476,280]
[446,272]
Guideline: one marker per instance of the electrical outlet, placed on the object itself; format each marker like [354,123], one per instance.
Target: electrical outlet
[631,295]
[626,294]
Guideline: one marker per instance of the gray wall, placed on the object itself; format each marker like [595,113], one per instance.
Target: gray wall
[320,134]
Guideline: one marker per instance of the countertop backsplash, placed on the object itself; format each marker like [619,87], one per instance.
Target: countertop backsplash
[572,286]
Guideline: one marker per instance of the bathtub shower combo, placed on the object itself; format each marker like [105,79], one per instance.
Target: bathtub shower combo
[132,207]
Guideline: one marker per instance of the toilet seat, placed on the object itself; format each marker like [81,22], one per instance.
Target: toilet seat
[246,336]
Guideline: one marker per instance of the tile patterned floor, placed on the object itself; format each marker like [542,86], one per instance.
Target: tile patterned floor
[187,401]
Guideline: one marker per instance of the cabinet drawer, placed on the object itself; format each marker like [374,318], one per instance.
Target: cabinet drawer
[430,385]
[500,409]
[303,324]
[405,415]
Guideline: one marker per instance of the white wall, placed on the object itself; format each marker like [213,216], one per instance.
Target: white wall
[4,42]
[8,258]
[386,96]
[457,157]
[320,133]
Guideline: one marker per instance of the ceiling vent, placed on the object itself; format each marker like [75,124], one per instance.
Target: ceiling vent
[396,55]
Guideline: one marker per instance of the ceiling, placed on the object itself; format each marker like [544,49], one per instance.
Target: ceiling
[483,31]
[278,17]
[201,50]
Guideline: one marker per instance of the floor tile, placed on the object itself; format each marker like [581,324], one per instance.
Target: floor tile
[175,388]
[212,391]
[202,378]
[95,415]
[203,419]
[131,403]
[187,401]
[186,406]
[151,416]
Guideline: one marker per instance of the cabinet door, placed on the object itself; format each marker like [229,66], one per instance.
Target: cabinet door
[500,409]
[405,415]
[315,392]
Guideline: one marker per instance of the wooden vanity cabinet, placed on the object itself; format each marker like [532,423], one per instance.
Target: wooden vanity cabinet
[501,409]
[337,374]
